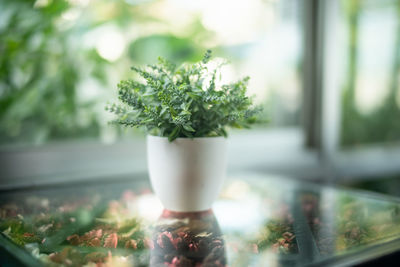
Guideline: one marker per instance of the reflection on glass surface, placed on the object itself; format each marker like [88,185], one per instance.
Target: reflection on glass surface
[257,221]
[187,239]
[342,222]
[78,226]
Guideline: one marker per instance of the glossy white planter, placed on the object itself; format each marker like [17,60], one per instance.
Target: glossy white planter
[187,174]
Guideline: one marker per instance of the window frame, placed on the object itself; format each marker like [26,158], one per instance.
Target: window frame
[359,163]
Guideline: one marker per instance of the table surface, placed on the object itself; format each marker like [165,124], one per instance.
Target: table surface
[258,220]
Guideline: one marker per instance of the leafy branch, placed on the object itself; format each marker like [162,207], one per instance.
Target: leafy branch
[183,102]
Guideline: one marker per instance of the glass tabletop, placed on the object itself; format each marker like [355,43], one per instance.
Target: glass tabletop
[258,220]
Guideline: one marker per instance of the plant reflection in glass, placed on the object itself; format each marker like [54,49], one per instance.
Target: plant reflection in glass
[187,239]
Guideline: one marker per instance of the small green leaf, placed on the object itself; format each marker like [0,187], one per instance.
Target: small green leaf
[236,125]
[188,128]
[172,111]
[147,120]
[224,133]
[194,96]
[185,112]
[172,136]
[163,110]
[187,134]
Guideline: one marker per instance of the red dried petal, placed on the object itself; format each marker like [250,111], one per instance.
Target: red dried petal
[96,242]
[131,244]
[176,241]
[111,241]
[99,233]
[168,235]
[74,240]
[175,261]
[28,235]
[182,234]
[193,247]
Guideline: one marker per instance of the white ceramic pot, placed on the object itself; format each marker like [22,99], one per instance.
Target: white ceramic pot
[187,174]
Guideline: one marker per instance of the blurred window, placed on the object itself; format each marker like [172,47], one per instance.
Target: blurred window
[369,46]
[60,61]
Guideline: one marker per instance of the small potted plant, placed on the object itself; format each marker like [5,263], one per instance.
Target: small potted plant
[185,114]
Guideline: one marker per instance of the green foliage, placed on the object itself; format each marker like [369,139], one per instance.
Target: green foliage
[18,231]
[39,74]
[52,76]
[183,102]
[381,124]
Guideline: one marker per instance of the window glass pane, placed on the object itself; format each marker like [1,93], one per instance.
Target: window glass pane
[371,71]
[60,61]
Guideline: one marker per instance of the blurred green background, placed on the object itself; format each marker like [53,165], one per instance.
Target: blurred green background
[371,72]
[60,61]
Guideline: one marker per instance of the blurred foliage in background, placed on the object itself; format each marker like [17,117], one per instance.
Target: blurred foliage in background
[39,69]
[371,95]
[60,60]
